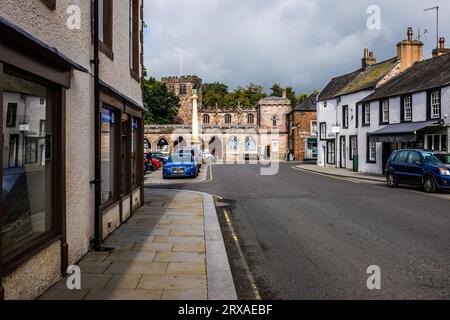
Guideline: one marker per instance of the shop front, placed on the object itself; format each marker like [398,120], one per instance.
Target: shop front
[33,84]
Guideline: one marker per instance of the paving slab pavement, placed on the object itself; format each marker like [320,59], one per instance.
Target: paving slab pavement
[171,249]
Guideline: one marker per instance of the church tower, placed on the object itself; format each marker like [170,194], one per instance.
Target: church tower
[183,87]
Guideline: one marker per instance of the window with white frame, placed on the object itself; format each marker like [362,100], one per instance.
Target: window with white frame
[371,150]
[366,117]
[345,116]
[435,104]
[407,108]
[385,111]
[323,131]
[313,128]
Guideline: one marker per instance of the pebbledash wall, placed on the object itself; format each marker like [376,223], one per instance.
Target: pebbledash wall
[44,266]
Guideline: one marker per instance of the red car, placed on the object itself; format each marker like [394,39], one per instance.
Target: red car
[152,164]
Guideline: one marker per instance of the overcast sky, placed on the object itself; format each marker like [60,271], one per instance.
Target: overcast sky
[302,43]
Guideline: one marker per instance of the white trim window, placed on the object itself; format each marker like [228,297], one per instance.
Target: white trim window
[314,128]
[435,104]
[372,151]
[385,111]
[407,108]
[323,131]
[366,114]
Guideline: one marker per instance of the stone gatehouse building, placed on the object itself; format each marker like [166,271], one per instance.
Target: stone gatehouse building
[260,132]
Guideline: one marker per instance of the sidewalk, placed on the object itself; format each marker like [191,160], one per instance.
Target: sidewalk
[338,172]
[171,249]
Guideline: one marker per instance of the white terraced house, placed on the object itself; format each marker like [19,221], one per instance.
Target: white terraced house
[362,114]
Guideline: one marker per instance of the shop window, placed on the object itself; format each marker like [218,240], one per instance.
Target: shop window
[134,151]
[28,181]
[108,154]
[436,142]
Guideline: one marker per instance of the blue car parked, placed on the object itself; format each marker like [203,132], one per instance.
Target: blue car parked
[180,165]
[429,169]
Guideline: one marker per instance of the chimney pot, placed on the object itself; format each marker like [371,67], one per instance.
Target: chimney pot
[366,53]
[442,43]
[410,34]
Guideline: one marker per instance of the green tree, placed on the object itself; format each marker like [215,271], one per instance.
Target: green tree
[245,97]
[276,90]
[302,97]
[214,93]
[161,105]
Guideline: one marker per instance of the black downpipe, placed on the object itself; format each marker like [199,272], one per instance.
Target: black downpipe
[97,181]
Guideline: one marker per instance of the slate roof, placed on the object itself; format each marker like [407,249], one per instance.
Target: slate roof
[358,80]
[424,75]
[310,104]
[403,128]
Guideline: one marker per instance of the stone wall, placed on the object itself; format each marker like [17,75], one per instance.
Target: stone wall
[301,124]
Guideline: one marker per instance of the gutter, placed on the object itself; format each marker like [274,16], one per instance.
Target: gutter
[97,180]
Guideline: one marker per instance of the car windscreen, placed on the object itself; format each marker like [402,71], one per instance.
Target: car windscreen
[431,158]
[180,158]
[444,157]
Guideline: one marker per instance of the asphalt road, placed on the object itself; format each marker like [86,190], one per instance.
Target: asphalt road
[308,236]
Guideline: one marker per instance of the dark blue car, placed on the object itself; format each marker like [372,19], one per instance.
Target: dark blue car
[429,169]
[180,165]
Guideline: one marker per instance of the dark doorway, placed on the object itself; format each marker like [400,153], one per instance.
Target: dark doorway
[387,151]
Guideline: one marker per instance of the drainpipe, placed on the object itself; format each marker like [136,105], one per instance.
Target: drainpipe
[97,180]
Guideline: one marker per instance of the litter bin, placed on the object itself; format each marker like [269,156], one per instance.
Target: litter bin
[355,163]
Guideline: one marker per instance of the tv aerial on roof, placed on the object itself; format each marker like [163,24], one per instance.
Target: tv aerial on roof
[437,23]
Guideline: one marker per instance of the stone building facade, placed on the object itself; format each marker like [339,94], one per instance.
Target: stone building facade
[47,88]
[183,87]
[236,133]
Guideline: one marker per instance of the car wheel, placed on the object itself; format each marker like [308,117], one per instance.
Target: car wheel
[429,185]
[391,181]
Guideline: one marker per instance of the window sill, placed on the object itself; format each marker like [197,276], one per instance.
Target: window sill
[15,259]
[106,50]
[366,125]
[135,75]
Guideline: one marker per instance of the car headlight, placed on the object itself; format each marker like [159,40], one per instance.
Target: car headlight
[444,171]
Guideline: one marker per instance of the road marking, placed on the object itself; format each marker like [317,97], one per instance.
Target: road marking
[241,254]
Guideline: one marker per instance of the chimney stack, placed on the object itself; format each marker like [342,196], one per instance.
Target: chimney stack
[409,51]
[368,59]
[441,50]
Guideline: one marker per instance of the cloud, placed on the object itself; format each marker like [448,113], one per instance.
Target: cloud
[302,43]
